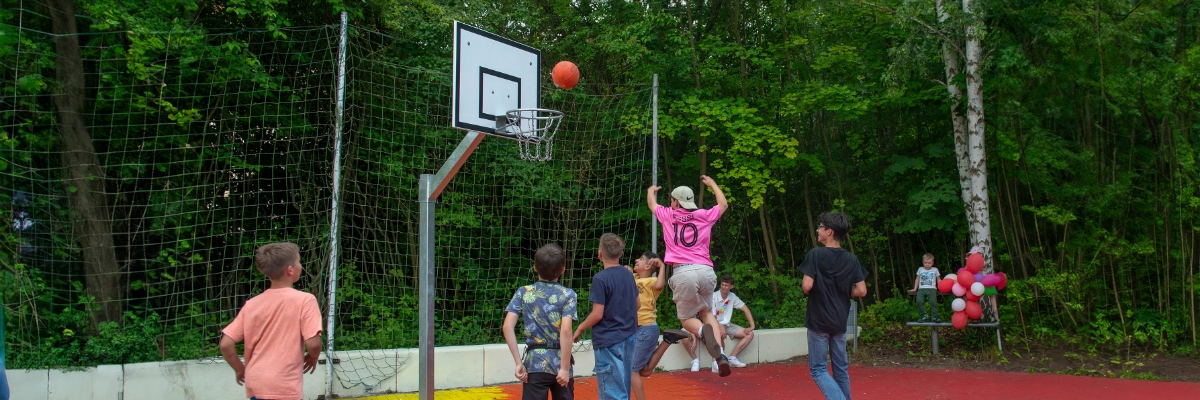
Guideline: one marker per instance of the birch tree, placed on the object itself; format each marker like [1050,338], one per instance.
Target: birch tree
[978,217]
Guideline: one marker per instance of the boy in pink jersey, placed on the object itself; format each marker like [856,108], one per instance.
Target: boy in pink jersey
[273,325]
[687,231]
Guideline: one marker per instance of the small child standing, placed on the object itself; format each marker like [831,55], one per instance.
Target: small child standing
[273,324]
[614,298]
[926,287]
[547,309]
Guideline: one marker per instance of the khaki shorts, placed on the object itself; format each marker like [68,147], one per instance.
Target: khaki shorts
[692,286]
[732,330]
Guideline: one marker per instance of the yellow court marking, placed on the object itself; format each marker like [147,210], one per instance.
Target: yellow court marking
[483,393]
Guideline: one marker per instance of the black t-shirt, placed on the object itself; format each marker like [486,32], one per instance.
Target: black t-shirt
[834,272]
[615,288]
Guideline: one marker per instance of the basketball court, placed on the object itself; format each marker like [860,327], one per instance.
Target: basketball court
[791,381]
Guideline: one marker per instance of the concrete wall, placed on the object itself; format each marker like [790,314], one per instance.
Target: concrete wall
[356,373]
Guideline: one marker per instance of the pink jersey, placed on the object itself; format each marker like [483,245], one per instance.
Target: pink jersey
[687,234]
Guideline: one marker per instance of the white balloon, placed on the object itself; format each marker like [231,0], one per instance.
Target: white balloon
[952,276]
[977,288]
[958,305]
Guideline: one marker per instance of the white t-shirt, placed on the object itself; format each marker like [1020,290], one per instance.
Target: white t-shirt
[929,278]
[723,307]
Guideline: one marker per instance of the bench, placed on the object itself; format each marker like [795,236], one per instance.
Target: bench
[984,303]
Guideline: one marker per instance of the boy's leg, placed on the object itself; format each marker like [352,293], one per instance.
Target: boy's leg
[635,382]
[538,386]
[744,340]
[841,365]
[670,336]
[606,379]
[921,304]
[933,303]
[818,348]
[646,341]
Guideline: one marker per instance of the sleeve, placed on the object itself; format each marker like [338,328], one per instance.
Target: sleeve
[310,318]
[572,304]
[737,302]
[599,293]
[713,214]
[808,267]
[236,329]
[514,305]
[663,214]
[860,273]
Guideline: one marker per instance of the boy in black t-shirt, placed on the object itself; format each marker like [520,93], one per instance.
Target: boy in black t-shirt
[831,276]
[613,320]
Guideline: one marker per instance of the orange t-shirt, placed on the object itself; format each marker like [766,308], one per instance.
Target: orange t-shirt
[274,325]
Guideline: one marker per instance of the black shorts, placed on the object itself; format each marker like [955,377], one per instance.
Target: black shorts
[542,386]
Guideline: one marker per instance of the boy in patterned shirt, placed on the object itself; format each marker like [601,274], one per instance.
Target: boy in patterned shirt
[547,309]
[925,286]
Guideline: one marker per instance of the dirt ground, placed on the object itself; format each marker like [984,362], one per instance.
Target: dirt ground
[975,349]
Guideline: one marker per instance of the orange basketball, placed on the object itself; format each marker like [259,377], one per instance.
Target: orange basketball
[565,75]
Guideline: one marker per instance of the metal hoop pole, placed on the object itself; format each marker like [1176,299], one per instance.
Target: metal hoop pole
[339,108]
[654,164]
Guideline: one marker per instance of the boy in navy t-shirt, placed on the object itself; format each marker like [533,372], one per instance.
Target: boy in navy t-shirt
[613,321]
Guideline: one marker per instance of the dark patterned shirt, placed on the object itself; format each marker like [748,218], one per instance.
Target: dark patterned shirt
[542,307]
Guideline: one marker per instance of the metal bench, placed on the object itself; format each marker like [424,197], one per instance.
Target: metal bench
[989,321]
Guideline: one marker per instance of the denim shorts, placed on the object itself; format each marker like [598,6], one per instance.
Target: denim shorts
[647,341]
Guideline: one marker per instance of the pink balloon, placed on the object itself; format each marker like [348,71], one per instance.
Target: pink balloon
[991,280]
[958,290]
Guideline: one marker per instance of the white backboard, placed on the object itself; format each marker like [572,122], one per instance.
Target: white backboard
[492,75]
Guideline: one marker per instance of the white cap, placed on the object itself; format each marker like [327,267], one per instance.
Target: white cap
[686,198]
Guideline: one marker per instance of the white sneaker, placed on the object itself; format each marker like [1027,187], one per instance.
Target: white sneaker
[695,365]
[715,368]
[734,362]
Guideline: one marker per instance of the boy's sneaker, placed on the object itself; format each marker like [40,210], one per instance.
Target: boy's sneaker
[722,365]
[673,336]
[923,319]
[695,365]
[936,319]
[734,362]
[715,368]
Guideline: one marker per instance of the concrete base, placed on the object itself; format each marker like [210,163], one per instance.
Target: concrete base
[357,373]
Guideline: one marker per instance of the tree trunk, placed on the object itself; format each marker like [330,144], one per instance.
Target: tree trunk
[84,177]
[762,221]
[977,209]
[699,133]
[959,121]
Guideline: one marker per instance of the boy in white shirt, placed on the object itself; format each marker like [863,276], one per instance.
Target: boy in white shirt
[724,302]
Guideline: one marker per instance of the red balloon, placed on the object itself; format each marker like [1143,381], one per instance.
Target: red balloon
[959,320]
[946,285]
[971,296]
[973,310]
[1003,281]
[965,278]
[975,263]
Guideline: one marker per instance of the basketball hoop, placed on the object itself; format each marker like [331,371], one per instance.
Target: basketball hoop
[534,128]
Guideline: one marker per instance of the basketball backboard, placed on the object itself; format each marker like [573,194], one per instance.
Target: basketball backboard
[492,75]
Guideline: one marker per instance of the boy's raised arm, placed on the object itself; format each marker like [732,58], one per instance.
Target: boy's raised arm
[662,274]
[721,202]
[652,197]
[510,337]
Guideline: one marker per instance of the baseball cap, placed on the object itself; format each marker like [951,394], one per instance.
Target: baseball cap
[686,198]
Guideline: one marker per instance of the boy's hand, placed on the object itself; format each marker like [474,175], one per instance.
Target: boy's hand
[564,376]
[707,181]
[912,290]
[655,263]
[521,374]
[653,189]
[578,333]
[310,363]
[239,374]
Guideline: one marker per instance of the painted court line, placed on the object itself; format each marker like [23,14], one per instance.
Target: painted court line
[788,381]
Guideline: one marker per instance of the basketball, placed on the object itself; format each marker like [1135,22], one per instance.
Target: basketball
[565,75]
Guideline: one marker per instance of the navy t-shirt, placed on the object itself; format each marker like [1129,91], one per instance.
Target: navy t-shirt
[835,272]
[615,288]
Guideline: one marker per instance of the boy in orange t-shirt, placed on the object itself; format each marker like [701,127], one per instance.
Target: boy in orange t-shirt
[272,324]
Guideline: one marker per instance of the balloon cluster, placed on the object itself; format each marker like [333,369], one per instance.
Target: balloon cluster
[973,284]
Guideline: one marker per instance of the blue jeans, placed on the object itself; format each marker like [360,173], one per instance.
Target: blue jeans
[838,386]
[614,369]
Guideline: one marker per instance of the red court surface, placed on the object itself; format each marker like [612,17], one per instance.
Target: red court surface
[783,381]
